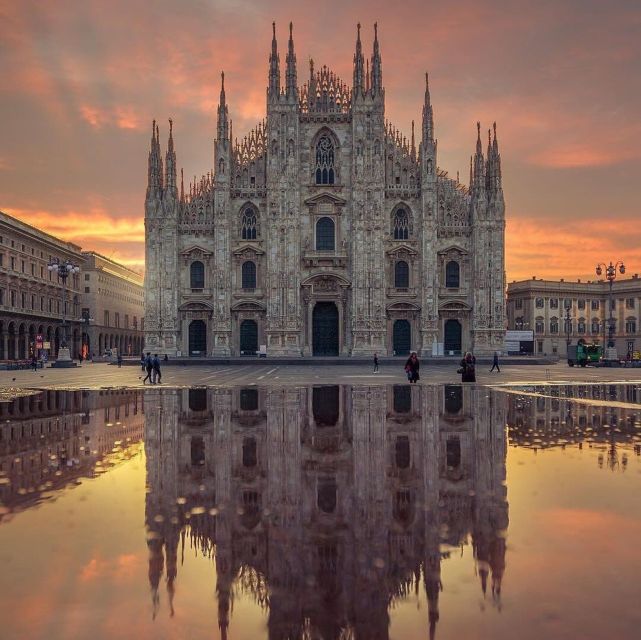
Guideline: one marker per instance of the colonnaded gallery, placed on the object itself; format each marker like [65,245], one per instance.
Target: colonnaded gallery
[325,231]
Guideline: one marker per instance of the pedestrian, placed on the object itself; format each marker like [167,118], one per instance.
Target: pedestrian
[34,362]
[375,363]
[468,368]
[411,368]
[156,367]
[142,361]
[166,358]
[148,368]
[80,357]
[495,362]
[119,359]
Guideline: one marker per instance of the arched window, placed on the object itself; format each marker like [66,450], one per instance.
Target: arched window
[249,224]
[401,275]
[554,324]
[325,172]
[197,275]
[539,325]
[249,275]
[452,275]
[325,234]
[401,228]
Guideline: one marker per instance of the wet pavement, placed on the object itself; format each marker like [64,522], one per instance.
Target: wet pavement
[360,510]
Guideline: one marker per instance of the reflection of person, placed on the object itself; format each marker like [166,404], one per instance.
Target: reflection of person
[467,368]
[411,368]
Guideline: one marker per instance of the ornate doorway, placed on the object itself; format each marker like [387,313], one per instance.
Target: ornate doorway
[248,338]
[452,337]
[402,337]
[197,338]
[325,329]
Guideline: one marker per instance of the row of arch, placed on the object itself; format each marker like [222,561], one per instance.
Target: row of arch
[18,341]
[249,270]
[402,227]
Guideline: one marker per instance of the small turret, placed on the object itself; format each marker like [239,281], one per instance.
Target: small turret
[359,85]
[154,177]
[222,145]
[377,66]
[428,115]
[291,88]
[273,89]
[478,181]
[170,164]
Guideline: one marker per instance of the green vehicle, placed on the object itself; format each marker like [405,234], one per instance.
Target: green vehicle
[584,354]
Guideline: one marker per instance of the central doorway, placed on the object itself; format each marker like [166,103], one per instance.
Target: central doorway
[452,337]
[402,337]
[197,338]
[325,329]
[248,338]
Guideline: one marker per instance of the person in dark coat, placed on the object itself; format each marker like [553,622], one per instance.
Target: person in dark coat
[468,368]
[376,363]
[149,369]
[411,368]
[142,361]
[156,366]
[495,363]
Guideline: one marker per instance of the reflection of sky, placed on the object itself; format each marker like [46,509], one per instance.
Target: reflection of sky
[82,83]
[79,563]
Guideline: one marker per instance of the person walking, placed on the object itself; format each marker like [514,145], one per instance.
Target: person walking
[375,363]
[412,367]
[468,368]
[142,361]
[34,362]
[495,363]
[119,360]
[156,367]
[148,368]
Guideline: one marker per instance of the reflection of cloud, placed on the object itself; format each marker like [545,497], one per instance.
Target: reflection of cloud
[125,566]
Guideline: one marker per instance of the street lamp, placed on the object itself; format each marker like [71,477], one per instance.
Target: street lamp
[611,275]
[568,326]
[64,270]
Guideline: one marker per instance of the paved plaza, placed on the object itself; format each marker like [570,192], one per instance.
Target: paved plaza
[103,375]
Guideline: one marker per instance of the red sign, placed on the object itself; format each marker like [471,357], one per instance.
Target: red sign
[39,341]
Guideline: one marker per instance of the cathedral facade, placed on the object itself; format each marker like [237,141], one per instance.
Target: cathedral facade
[325,231]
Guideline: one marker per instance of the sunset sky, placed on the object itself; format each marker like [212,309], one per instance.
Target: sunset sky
[82,81]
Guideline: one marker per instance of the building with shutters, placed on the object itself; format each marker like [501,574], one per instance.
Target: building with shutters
[324,231]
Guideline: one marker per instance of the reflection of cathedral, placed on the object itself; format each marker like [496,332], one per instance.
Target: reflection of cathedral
[328,503]
[52,438]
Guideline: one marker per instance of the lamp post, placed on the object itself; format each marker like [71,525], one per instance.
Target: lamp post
[611,276]
[64,270]
[568,326]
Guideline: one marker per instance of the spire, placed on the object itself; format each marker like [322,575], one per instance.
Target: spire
[311,94]
[291,79]
[273,91]
[170,162]
[223,115]
[358,64]
[377,67]
[154,177]
[479,164]
[428,114]
[413,144]
[182,186]
[494,164]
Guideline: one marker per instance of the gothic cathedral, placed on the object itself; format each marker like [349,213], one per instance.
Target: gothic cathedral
[325,232]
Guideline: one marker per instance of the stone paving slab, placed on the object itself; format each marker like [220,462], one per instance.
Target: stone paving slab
[102,375]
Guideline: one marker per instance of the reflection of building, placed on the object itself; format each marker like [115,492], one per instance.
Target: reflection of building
[51,438]
[331,500]
[557,416]
[325,231]
[540,306]
[113,296]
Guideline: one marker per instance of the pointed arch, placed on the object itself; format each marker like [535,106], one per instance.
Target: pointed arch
[249,222]
[401,222]
[325,148]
